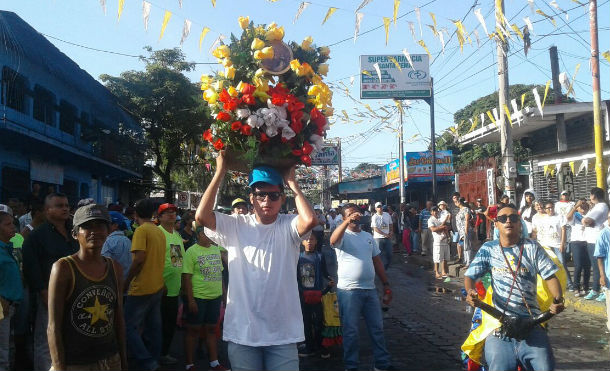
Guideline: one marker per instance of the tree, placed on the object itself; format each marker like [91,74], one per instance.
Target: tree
[465,155]
[169,109]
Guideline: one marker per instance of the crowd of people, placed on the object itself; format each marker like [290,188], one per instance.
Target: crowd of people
[105,288]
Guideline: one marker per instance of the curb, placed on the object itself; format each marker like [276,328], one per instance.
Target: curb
[590,307]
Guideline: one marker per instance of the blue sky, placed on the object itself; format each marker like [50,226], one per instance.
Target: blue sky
[460,77]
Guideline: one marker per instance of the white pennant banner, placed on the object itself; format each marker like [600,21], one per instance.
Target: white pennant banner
[479,16]
[518,113]
[408,56]
[357,27]
[376,66]
[300,11]
[529,24]
[362,5]
[412,28]
[145,13]
[186,30]
[482,120]
[538,103]
[103,4]
[418,14]
[216,42]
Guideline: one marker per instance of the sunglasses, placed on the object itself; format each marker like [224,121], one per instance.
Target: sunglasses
[273,196]
[512,217]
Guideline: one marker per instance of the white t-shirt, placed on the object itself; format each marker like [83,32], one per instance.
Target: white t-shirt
[382,222]
[563,208]
[445,216]
[578,230]
[355,253]
[334,223]
[526,214]
[438,238]
[263,306]
[548,229]
[599,214]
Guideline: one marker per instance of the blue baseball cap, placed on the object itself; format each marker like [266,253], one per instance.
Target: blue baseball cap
[117,218]
[265,174]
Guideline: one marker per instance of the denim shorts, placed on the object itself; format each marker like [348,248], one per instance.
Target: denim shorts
[208,311]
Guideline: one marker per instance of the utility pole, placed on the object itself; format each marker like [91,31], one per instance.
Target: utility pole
[597,121]
[433,140]
[509,168]
[401,158]
[562,141]
[340,168]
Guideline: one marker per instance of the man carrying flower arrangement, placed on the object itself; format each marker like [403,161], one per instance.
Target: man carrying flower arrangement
[263,321]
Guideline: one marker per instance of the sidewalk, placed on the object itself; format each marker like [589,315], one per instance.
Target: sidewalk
[591,307]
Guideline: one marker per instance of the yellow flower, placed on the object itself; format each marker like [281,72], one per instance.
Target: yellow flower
[260,72]
[314,90]
[323,69]
[221,52]
[205,81]
[324,51]
[226,62]
[218,85]
[295,64]
[210,96]
[264,53]
[243,22]
[274,32]
[232,91]
[257,44]
[230,72]
[306,44]
[261,84]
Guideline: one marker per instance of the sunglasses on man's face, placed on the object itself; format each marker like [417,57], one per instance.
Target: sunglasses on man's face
[273,196]
[512,217]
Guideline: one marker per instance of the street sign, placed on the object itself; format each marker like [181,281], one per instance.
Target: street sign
[182,200]
[398,78]
[328,155]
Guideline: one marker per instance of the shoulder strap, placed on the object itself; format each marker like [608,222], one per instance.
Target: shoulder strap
[71,263]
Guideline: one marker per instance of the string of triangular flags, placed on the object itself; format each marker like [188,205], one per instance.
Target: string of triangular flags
[577,167]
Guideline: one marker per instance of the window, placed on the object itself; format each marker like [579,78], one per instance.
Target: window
[15,183]
[14,89]
[44,105]
[67,117]
[70,189]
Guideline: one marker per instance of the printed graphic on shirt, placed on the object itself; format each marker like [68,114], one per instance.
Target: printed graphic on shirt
[210,267]
[308,275]
[93,312]
[175,255]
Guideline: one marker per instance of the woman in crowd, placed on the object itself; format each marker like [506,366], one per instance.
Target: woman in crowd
[463,220]
[526,209]
[578,246]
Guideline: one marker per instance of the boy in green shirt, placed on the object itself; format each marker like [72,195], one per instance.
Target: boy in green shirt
[203,289]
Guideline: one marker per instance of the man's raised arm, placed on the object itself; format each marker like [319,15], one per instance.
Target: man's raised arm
[205,214]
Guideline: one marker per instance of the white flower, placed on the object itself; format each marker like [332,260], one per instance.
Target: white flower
[288,133]
[242,113]
[316,141]
[255,121]
[271,131]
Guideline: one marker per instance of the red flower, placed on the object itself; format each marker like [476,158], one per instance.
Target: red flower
[248,99]
[306,160]
[297,152]
[230,105]
[207,135]
[224,96]
[279,89]
[278,99]
[296,119]
[218,144]
[246,130]
[294,104]
[247,89]
[264,138]
[223,116]
[307,148]
[236,126]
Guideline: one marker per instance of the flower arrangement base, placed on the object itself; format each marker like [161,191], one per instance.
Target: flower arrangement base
[239,161]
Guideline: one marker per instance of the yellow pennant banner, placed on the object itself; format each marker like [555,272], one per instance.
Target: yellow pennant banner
[214,3]
[166,18]
[386,26]
[551,19]
[395,15]
[330,12]
[522,100]
[517,30]
[546,92]
[423,45]
[570,88]
[393,60]
[572,165]
[606,55]
[461,34]
[202,36]
[491,117]
[507,111]
[121,6]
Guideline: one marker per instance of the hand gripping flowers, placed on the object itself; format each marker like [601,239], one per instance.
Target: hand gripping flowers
[270,101]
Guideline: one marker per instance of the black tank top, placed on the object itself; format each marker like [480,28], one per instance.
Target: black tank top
[88,327]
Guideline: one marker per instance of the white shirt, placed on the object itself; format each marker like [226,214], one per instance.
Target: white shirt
[355,253]
[548,229]
[445,215]
[599,214]
[578,230]
[438,238]
[334,223]
[381,222]
[263,306]
[563,208]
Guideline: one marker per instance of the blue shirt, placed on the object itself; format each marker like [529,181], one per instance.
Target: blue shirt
[602,245]
[11,287]
[423,218]
[118,247]
[355,252]
[533,262]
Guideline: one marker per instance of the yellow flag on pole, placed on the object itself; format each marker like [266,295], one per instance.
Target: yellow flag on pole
[522,100]
[570,88]
[393,60]
[461,33]
[517,30]
[491,117]
[202,36]
[166,18]
[423,45]
[396,5]
[121,6]
[507,111]
[546,92]
[572,164]
[551,19]
[606,55]
[330,12]
[214,3]
[386,26]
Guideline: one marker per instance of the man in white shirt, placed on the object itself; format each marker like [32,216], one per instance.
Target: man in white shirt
[381,224]
[263,321]
[334,219]
[550,231]
[594,224]
[440,242]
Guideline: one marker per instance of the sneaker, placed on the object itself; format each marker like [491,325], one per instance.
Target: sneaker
[219,367]
[601,297]
[168,360]
[580,293]
[571,288]
[591,295]
[305,352]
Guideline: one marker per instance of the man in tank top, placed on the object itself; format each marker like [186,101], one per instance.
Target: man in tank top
[86,327]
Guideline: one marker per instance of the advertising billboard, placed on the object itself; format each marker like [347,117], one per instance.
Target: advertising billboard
[399,79]
[328,155]
[419,166]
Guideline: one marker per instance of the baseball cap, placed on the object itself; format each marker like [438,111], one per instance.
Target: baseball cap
[565,193]
[378,204]
[90,212]
[117,218]
[166,206]
[265,174]
[238,201]
[442,203]
[6,209]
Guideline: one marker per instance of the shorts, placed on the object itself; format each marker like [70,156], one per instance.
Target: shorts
[208,312]
[440,253]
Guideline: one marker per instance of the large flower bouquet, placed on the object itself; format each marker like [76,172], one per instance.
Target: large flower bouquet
[270,103]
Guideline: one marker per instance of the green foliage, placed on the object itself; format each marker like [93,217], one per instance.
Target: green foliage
[168,108]
[465,155]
